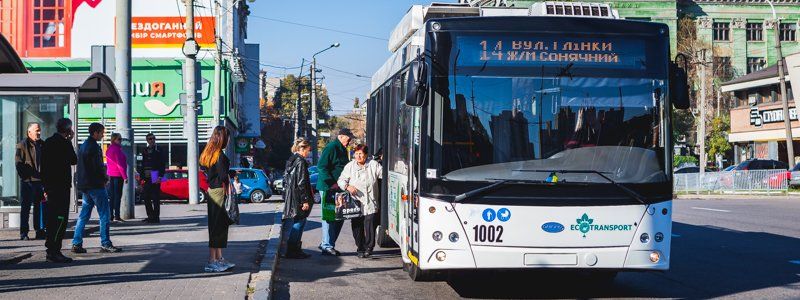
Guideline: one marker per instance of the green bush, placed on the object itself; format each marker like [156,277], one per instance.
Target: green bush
[682,159]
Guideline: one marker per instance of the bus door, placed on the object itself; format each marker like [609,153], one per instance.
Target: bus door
[412,119]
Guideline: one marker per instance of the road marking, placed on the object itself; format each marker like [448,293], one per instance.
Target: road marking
[711,209]
[796,262]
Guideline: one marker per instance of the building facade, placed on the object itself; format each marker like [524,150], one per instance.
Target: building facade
[57,36]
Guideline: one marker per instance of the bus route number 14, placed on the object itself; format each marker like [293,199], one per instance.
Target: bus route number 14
[488,233]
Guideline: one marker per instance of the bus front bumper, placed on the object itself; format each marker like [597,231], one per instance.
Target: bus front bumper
[497,257]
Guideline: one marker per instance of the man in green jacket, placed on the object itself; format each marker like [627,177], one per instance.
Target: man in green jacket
[331,163]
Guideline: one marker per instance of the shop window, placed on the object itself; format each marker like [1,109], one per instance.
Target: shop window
[755,63]
[755,31]
[788,32]
[740,98]
[721,31]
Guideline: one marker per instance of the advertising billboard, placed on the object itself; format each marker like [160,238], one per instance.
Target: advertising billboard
[68,28]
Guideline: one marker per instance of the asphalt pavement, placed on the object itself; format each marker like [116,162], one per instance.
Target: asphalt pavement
[721,248]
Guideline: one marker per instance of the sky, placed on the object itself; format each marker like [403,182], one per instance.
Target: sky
[285,45]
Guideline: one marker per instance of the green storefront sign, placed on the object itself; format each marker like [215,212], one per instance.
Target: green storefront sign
[156,86]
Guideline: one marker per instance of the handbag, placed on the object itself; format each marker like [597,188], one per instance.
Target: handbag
[347,207]
[231,205]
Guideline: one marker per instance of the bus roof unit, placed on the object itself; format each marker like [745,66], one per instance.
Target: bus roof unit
[573,9]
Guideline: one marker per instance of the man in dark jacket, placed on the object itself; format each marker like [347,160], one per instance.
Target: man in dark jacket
[28,163]
[58,157]
[92,181]
[152,170]
[331,163]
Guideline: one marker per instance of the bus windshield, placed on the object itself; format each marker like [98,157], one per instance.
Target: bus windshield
[526,106]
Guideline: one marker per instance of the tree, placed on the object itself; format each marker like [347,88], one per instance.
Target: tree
[683,124]
[718,136]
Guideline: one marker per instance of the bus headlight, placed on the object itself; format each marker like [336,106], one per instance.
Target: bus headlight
[644,238]
[441,256]
[659,237]
[453,237]
[437,236]
[655,256]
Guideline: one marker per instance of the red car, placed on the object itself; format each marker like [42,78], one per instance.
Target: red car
[176,185]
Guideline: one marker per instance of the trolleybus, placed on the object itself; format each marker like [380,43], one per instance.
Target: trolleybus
[513,139]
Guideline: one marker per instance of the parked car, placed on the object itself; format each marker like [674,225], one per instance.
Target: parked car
[277,184]
[255,185]
[794,176]
[176,185]
[729,168]
[773,180]
[761,164]
[687,170]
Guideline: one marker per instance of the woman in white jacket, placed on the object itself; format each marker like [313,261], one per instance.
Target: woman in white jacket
[360,179]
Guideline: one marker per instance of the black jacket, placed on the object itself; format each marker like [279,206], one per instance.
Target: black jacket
[28,161]
[297,188]
[91,172]
[58,157]
[152,160]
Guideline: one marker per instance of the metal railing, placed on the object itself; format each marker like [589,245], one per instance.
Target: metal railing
[745,181]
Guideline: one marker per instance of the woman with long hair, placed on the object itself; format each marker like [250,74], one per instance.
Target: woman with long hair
[217,168]
[298,197]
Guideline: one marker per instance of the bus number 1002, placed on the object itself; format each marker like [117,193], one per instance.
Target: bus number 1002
[490,233]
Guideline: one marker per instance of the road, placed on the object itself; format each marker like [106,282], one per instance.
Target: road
[159,261]
[746,249]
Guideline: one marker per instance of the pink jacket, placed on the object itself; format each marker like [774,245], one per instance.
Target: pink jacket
[117,164]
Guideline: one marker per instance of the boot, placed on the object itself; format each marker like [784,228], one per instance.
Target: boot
[295,251]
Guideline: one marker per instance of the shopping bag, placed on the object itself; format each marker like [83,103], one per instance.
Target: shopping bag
[231,205]
[347,207]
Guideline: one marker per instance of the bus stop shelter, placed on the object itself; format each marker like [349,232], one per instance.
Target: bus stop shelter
[42,98]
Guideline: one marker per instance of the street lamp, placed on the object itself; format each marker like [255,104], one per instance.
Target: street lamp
[782,79]
[314,120]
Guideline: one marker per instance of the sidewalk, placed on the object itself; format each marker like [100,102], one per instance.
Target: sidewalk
[159,260]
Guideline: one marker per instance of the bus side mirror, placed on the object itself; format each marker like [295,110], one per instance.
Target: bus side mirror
[679,86]
[416,83]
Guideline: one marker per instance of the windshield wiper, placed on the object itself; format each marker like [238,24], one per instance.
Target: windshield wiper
[633,194]
[498,183]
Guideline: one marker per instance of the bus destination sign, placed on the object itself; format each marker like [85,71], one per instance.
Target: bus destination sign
[522,50]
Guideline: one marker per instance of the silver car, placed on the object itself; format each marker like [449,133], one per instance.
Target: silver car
[794,177]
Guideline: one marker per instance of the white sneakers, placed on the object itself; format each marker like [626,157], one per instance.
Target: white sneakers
[221,265]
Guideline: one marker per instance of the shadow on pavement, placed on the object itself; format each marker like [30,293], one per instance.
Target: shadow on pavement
[706,262]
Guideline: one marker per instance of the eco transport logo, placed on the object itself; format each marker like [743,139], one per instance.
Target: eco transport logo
[585,224]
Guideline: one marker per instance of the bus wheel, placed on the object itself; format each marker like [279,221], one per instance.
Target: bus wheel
[383,239]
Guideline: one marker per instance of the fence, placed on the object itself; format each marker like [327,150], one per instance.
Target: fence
[745,181]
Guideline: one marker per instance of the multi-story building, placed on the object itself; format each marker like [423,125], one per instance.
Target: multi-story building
[57,36]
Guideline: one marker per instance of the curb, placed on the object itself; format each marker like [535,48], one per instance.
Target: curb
[14,258]
[264,279]
[737,197]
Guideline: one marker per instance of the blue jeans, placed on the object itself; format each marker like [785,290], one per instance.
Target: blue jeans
[330,233]
[296,230]
[92,198]
[32,194]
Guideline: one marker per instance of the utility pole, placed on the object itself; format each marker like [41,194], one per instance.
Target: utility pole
[701,128]
[298,110]
[782,79]
[314,120]
[122,74]
[190,49]
[215,99]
